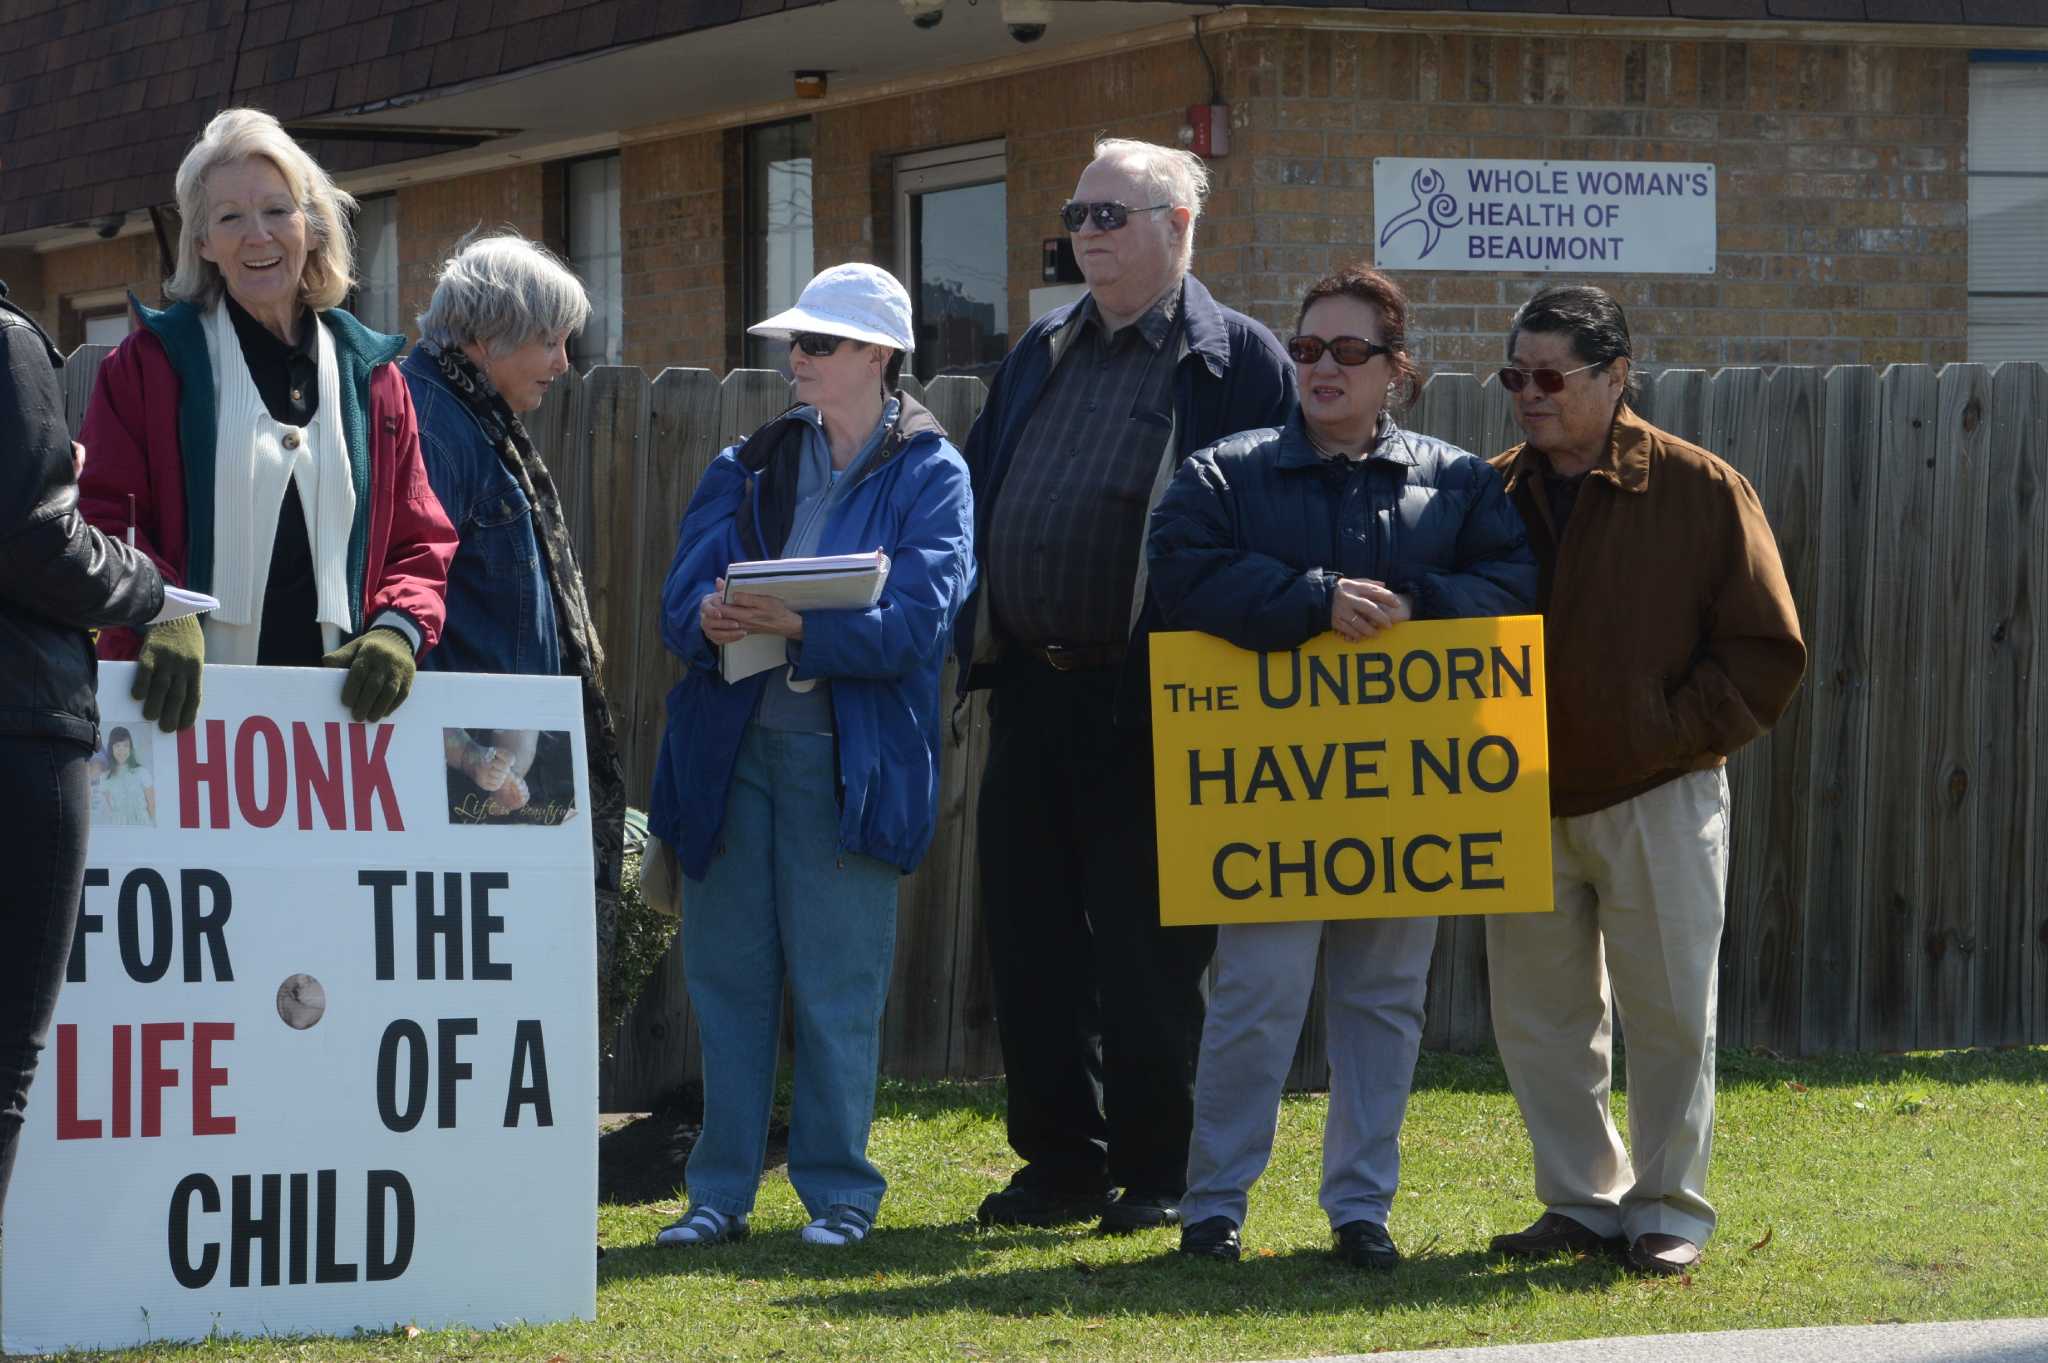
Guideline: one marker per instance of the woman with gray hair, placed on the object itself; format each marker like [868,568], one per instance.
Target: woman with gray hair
[493,338]
[259,445]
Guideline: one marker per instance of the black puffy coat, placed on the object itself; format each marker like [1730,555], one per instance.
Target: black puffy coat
[58,575]
[1249,541]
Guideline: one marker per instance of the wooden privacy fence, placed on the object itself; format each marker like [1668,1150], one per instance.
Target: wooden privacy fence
[1889,886]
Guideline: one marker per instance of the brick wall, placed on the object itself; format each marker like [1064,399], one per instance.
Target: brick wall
[128,262]
[1843,203]
[677,249]
[1050,119]
[433,217]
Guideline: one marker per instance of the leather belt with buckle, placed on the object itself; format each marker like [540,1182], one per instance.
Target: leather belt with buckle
[1080,658]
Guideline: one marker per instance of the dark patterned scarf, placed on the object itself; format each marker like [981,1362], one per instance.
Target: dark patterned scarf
[582,654]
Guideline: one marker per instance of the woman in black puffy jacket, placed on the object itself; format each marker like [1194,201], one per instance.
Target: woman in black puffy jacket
[58,578]
[1338,521]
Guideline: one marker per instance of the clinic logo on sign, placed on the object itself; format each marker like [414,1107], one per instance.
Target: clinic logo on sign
[1582,216]
[1429,212]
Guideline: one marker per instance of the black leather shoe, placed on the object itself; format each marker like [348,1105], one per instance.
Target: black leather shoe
[1213,1238]
[1022,1205]
[1665,1256]
[1366,1244]
[1554,1233]
[1136,1211]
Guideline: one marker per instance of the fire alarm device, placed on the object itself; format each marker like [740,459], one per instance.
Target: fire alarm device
[1207,133]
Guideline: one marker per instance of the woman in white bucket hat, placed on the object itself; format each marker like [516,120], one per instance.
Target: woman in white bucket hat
[795,798]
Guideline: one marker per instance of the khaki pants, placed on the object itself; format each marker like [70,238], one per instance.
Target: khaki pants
[1641,896]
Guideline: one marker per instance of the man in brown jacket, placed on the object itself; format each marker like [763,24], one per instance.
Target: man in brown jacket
[1671,640]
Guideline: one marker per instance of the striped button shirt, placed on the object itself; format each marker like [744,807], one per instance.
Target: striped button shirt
[1069,520]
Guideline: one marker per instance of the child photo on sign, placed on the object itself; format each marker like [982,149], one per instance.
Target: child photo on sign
[124,786]
[510,776]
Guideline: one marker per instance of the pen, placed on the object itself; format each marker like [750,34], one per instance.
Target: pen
[131,520]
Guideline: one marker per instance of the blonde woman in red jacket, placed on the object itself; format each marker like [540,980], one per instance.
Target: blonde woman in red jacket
[262,445]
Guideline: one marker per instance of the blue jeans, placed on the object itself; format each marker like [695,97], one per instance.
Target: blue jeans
[780,896]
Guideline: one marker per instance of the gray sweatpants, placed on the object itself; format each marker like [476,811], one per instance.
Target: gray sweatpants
[1376,973]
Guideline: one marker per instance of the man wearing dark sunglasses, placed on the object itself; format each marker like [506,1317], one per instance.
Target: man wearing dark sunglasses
[1099,1008]
[1670,640]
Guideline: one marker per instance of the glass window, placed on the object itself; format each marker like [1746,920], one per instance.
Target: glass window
[2008,208]
[778,230]
[108,328]
[593,213]
[952,219]
[375,300]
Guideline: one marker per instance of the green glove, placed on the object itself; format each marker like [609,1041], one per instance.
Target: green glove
[167,673]
[380,672]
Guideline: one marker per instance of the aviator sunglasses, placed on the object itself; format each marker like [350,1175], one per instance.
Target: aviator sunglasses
[1349,351]
[815,344]
[1548,380]
[1108,216]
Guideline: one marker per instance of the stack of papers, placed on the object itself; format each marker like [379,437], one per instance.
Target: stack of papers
[832,582]
[179,603]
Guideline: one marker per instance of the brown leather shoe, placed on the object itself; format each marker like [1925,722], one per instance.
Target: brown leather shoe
[1663,1255]
[1553,1233]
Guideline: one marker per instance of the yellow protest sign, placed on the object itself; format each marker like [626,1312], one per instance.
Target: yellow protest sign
[1402,776]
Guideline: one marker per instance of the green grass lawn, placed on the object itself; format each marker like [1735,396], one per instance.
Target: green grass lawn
[1851,1190]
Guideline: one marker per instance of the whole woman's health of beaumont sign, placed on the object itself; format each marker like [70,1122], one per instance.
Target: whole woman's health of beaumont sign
[1584,217]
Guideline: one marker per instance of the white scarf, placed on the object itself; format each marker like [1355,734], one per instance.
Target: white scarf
[255,458]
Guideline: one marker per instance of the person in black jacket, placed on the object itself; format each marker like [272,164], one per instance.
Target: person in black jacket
[1340,520]
[58,577]
[1099,1008]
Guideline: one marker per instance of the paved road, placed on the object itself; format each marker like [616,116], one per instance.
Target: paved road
[1970,1341]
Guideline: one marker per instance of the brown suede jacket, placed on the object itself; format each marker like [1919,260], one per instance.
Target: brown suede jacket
[1670,635]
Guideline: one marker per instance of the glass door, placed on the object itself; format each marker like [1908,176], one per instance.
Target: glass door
[953,242]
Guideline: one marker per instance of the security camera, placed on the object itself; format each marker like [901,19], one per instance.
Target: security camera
[1026,19]
[924,13]
[109,227]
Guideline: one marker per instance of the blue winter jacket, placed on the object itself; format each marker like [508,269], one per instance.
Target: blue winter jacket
[1232,376]
[1250,540]
[501,606]
[911,501]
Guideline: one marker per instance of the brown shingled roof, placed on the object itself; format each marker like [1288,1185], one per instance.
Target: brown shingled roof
[2016,13]
[99,99]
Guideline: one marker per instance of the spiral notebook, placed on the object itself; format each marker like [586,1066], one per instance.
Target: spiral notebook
[829,582]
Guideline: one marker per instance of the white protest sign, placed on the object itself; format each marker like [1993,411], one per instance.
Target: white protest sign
[326,1055]
[1584,217]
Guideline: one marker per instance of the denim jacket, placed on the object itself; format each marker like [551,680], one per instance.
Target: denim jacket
[501,613]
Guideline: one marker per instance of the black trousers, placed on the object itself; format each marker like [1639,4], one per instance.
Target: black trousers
[1098,1007]
[43,791]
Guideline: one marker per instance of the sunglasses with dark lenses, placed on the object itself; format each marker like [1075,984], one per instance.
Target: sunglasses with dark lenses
[1108,216]
[1349,351]
[815,344]
[1548,380]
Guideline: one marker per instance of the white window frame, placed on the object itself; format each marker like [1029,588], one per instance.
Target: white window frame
[754,351]
[602,270]
[2008,178]
[377,264]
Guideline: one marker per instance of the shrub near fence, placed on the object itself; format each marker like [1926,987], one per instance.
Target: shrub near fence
[1889,887]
